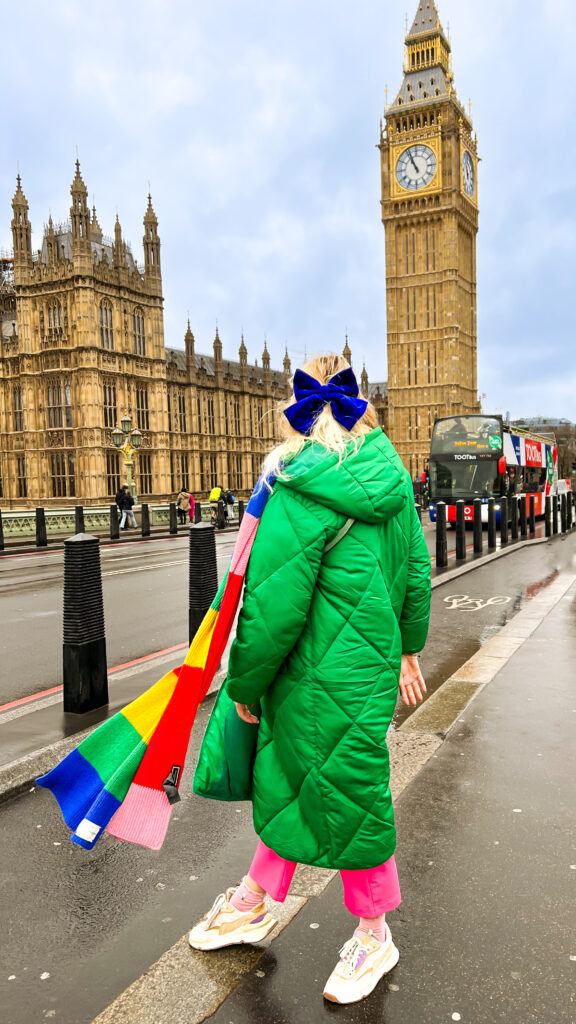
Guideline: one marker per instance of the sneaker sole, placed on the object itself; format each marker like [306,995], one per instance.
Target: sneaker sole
[370,983]
[220,941]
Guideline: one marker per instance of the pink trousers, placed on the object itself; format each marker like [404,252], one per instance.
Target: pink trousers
[368,892]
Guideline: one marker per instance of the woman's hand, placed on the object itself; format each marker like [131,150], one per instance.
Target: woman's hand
[412,685]
[245,713]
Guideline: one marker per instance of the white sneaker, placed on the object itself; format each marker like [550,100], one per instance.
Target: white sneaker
[223,925]
[363,962]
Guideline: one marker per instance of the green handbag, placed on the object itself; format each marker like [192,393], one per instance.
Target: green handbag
[226,759]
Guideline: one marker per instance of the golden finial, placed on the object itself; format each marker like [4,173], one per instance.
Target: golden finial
[385,97]
[469,107]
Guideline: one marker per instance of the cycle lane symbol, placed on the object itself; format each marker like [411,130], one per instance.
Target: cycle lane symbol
[462,602]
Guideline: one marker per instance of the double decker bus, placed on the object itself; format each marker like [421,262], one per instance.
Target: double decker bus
[475,456]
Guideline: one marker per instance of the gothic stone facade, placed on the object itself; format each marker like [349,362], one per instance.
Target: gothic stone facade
[429,165]
[82,344]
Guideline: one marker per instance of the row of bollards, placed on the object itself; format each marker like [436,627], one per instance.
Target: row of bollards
[517,520]
[85,674]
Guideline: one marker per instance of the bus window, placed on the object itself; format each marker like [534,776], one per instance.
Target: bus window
[534,479]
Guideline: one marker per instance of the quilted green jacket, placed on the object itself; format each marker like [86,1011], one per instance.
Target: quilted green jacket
[319,641]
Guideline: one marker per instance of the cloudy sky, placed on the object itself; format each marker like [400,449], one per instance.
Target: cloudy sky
[256,125]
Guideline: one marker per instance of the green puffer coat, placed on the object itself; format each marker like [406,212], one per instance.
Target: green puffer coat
[319,642]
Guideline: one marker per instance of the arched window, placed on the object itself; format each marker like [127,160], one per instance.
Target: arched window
[55,319]
[106,326]
[138,331]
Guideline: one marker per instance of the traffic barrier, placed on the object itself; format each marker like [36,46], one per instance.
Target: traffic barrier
[114,522]
[532,518]
[84,651]
[460,532]
[555,514]
[173,519]
[478,526]
[1,532]
[145,517]
[441,539]
[548,516]
[41,535]
[523,525]
[503,521]
[203,574]
[514,517]
[563,515]
[240,511]
[491,525]
[78,519]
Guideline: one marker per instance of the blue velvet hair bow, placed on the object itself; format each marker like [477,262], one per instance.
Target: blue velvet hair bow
[340,393]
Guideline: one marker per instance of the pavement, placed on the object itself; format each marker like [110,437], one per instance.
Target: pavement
[481,775]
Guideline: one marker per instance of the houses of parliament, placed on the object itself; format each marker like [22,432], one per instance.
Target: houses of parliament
[82,333]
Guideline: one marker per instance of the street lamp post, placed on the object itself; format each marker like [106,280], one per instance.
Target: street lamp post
[128,442]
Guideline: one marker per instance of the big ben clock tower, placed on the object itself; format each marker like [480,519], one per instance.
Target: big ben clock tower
[429,166]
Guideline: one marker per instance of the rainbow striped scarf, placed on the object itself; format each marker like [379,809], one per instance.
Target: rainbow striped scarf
[124,777]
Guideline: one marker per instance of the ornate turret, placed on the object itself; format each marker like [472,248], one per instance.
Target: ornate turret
[151,242]
[80,216]
[347,353]
[266,357]
[21,230]
[118,245]
[364,381]
[190,355]
[51,244]
[243,353]
[217,352]
[95,229]
[287,364]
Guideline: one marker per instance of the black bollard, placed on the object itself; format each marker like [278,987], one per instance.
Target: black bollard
[220,517]
[441,540]
[477,526]
[240,510]
[203,578]
[532,516]
[197,512]
[563,516]
[460,532]
[514,517]
[1,533]
[114,523]
[84,654]
[503,521]
[523,530]
[41,535]
[78,519]
[145,516]
[173,519]
[548,515]
[491,525]
[569,510]
[555,514]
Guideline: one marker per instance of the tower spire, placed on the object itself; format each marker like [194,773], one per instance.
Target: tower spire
[80,216]
[21,230]
[151,242]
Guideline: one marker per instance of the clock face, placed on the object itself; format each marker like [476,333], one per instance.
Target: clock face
[416,167]
[468,173]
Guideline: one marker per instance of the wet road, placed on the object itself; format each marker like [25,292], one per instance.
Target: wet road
[145,603]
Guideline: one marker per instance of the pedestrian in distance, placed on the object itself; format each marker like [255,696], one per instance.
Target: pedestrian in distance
[125,505]
[183,505]
[335,610]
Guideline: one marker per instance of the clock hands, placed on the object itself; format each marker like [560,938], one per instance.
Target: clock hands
[414,164]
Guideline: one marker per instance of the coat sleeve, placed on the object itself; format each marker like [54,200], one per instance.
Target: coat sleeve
[280,581]
[416,609]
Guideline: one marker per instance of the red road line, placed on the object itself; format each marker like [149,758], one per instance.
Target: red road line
[111,671]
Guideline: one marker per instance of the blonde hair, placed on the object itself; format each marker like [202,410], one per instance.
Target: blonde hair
[326,431]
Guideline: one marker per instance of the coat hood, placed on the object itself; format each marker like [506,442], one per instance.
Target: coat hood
[370,485]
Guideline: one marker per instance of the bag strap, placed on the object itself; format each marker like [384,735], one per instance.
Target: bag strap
[341,533]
